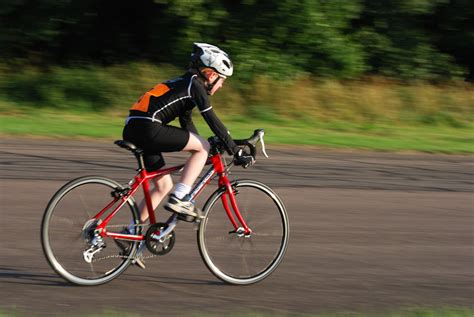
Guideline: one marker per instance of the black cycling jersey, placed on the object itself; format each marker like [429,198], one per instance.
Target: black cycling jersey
[176,98]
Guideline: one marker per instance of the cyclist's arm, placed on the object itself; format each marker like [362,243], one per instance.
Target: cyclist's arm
[186,122]
[217,127]
[220,131]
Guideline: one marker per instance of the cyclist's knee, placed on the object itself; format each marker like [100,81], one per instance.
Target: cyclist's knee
[206,146]
[196,144]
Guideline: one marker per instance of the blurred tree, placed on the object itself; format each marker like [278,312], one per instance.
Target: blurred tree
[28,27]
[289,37]
[453,27]
[399,41]
[421,39]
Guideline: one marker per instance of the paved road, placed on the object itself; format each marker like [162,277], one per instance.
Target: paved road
[369,232]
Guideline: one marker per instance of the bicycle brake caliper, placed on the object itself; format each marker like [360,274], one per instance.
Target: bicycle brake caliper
[120,192]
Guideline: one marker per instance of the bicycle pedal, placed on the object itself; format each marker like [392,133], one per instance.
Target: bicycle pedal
[187,218]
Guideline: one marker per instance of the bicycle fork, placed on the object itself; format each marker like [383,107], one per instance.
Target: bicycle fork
[229,193]
[227,196]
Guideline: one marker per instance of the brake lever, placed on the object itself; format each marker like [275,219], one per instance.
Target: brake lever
[261,134]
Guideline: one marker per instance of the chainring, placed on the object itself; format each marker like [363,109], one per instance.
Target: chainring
[162,246]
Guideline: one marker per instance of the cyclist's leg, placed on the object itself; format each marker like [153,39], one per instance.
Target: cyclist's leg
[155,139]
[162,187]
[199,149]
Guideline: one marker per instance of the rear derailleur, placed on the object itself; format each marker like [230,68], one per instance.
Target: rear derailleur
[94,241]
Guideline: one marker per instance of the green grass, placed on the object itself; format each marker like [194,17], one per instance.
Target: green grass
[91,101]
[49,123]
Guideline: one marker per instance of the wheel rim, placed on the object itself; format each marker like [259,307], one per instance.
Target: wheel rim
[63,239]
[238,259]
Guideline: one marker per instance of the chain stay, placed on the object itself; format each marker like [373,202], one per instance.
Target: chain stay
[123,256]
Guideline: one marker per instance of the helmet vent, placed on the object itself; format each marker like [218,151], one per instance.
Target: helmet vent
[211,56]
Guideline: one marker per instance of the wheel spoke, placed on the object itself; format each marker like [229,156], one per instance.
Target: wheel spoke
[86,208]
[245,265]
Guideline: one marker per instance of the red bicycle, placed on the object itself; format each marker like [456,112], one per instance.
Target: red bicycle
[242,239]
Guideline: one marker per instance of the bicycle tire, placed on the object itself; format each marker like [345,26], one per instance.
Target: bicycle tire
[60,207]
[222,251]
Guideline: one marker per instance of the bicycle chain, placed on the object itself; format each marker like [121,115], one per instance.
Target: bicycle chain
[124,256]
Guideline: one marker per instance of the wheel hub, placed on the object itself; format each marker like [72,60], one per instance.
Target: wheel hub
[88,230]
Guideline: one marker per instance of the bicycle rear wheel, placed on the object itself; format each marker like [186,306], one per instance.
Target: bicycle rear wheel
[235,258]
[67,231]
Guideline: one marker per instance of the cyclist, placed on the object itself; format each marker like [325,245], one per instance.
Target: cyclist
[148,126]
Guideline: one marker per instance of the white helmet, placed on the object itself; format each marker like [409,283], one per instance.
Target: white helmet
[211,56]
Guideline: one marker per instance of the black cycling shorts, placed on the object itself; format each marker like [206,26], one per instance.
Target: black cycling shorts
[155,138]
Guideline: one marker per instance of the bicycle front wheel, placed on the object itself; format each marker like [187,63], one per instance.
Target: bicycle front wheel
[67,232]
[236,258]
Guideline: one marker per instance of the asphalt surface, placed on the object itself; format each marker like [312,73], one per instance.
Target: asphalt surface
[370,232]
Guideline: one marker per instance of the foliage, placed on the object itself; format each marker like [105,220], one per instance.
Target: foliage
[375,113]
[398,42]
[409,39]
[304,98]
[85,87]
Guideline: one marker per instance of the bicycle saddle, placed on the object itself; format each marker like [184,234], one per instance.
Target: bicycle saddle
[128,146]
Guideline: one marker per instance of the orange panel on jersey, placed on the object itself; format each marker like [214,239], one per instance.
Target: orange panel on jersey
[144,101]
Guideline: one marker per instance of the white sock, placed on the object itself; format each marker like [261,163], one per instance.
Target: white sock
[181,190]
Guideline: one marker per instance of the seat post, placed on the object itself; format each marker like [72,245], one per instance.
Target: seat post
[136,151]
[139,156]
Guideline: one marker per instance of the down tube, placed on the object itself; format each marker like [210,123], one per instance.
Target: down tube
[202,183]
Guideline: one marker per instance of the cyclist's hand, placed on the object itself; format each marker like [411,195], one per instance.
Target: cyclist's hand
[243,159]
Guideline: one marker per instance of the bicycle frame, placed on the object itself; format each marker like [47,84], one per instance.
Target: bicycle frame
[142,180]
